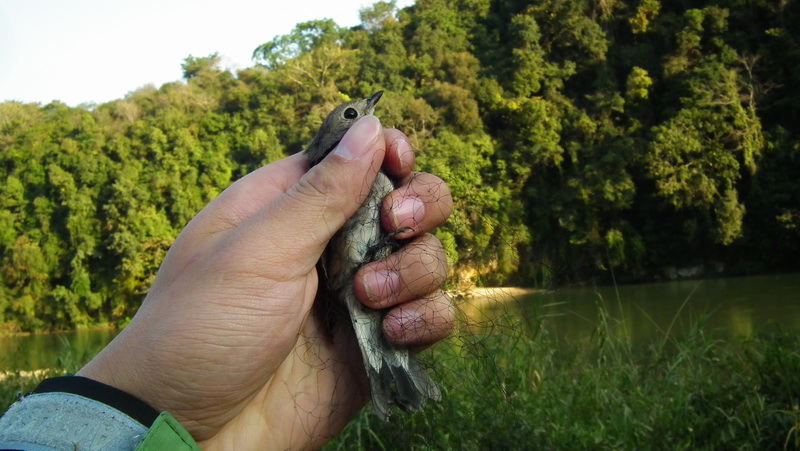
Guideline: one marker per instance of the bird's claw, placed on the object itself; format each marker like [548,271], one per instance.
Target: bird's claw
[400,230]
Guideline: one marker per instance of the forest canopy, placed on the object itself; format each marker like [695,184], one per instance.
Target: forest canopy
[582,140]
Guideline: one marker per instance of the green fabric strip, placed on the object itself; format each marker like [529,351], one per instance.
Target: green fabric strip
[167,433]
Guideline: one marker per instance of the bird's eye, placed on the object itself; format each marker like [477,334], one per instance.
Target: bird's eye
[350,113]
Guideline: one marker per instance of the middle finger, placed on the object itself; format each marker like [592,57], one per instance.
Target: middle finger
[420,205]
[417,269]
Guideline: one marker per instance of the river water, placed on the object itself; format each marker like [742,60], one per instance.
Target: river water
[42,351]
[730,307]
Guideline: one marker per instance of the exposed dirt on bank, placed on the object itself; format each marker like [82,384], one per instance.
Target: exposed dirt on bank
[500,292]
[491,294]
[35,374]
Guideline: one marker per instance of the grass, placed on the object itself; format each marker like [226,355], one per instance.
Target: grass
[518,388]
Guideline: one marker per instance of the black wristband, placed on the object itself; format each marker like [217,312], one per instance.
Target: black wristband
[106,394]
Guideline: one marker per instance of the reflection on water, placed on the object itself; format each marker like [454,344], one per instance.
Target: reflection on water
[733,307]
[42,351]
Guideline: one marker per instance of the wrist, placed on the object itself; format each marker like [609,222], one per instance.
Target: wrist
[119,365]
[115,375]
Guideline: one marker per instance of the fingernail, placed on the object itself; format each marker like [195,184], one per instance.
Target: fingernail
[402,147]
[381,286]
[357,140]
[408,212]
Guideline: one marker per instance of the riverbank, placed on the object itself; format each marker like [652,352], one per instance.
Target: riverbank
[14,331]
[24,374]
[483,295]
[498,292]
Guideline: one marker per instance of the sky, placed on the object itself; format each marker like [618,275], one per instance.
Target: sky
[95,51]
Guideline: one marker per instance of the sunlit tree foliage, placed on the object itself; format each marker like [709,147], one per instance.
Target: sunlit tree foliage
[582,141]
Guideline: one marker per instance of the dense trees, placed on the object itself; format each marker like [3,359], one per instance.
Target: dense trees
[577,137]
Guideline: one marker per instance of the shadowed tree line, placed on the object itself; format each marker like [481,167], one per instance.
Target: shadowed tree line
[577,136]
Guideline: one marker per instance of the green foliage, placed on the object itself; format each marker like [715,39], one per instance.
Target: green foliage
[577,138]
[645,13]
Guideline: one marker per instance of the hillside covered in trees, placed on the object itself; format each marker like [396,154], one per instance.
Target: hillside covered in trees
[578,137]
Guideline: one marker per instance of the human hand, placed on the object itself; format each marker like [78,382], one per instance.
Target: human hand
[227,340]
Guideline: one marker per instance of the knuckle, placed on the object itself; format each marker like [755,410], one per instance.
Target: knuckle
[427,265]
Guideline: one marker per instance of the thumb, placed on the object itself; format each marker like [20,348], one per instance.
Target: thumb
[329,193]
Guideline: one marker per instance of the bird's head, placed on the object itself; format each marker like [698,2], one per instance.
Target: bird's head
[336,125]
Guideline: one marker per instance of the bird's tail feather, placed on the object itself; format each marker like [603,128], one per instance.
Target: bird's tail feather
[395,376]
[406,386]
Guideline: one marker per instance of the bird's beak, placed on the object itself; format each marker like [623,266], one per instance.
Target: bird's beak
[373,99]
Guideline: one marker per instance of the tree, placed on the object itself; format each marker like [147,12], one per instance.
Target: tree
[303,38]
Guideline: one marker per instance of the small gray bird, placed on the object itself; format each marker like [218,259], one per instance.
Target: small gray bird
[395,376]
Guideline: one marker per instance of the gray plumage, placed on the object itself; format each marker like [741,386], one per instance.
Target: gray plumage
[395,376]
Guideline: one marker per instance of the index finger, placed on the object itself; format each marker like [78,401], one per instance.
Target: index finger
[422,203]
